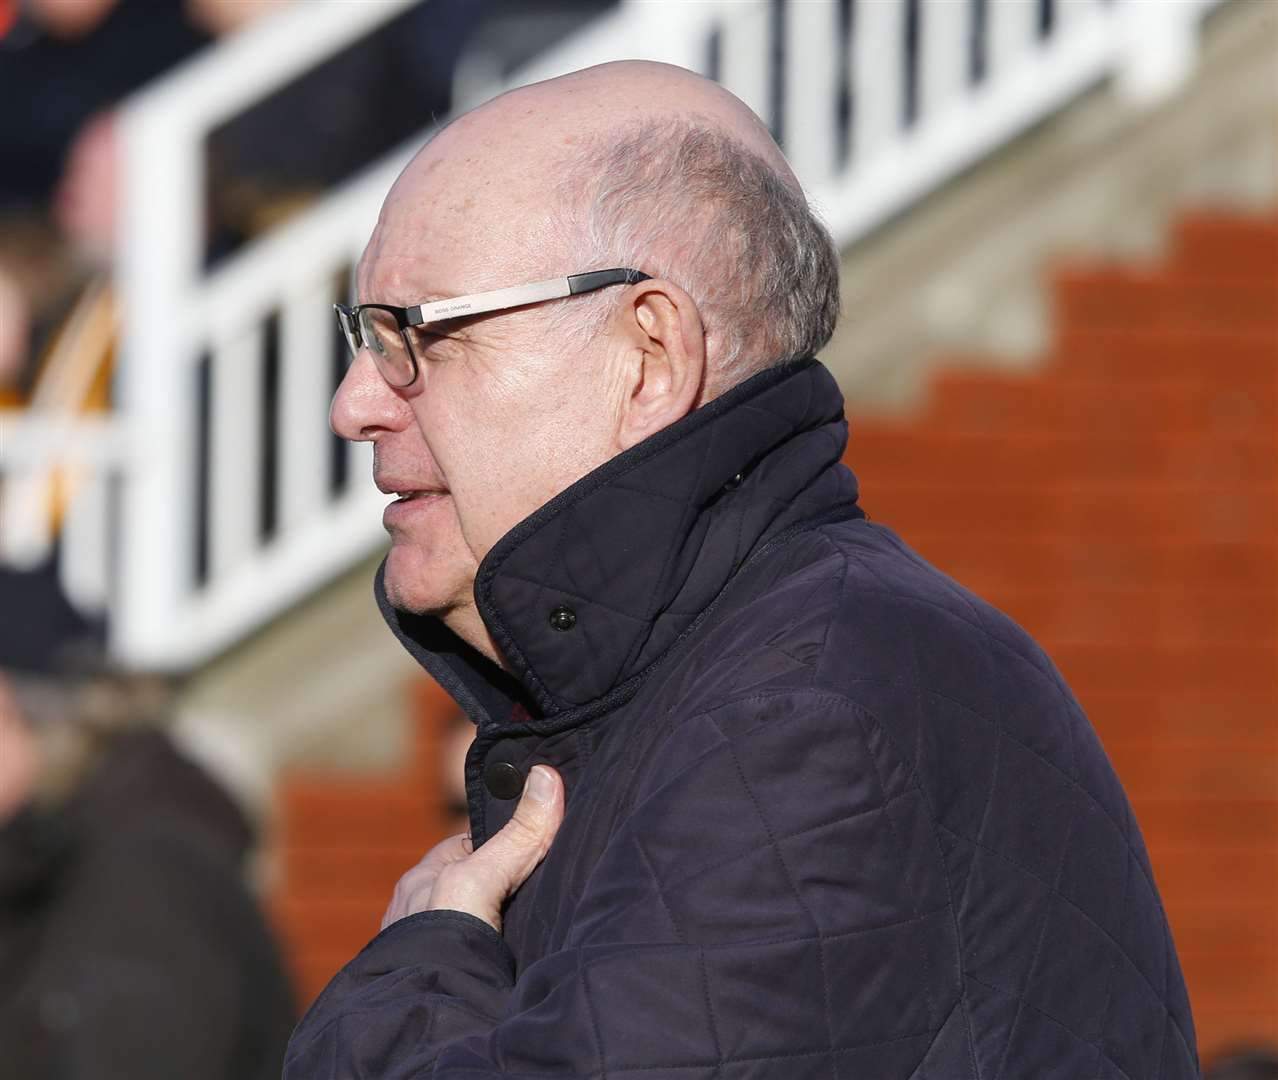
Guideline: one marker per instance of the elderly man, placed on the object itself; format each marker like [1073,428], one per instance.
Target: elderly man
[755,791]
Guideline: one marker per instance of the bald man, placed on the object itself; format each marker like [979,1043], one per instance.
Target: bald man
[754,790]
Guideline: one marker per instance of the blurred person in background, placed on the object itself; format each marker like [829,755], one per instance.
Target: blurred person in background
[130,947]
[754,789]
[1253,1063]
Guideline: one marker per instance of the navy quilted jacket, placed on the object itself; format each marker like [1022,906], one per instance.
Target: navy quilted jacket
[829,814]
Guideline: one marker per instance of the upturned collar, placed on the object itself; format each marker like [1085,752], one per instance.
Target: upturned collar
[587,594]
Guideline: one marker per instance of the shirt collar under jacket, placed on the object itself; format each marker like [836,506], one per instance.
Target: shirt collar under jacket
[639,550]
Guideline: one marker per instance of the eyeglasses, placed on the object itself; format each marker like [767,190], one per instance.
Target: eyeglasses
[387,331]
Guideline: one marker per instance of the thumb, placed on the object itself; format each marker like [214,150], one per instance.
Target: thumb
[518,846]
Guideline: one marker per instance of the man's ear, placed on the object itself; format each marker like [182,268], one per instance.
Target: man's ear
[664,361]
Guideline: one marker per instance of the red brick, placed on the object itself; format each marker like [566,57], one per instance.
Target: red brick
[989,564]
[1160,771]
[339,872]
[1147,614]
[883,460]
[1143,716]
[1222,1030]
[1142,354]
[1243,982]
[1192,819]
[1226,246]
[1222,878]
[339,812]
[1109,668]
[1109,298]
[341,926]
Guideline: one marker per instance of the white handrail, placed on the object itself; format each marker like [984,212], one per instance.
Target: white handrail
[832,79]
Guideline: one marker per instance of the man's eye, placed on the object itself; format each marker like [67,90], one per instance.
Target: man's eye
[424,340]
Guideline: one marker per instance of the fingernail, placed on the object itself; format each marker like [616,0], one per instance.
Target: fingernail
[541,785]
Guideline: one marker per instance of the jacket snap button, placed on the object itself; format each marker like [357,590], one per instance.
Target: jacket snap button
[563,618]
[734,483]
[503,780]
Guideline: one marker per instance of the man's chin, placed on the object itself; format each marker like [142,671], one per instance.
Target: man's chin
[413,585]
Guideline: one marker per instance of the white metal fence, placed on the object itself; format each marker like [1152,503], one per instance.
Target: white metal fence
[233,499]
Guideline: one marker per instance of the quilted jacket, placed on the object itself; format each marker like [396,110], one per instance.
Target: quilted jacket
[829,814]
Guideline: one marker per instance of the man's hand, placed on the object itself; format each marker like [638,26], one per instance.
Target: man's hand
[455,877]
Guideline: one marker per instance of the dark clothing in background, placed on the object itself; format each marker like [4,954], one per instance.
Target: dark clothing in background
[130,948]
[829,814]
[52,86]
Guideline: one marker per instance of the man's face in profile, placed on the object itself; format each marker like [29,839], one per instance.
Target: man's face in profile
[504,413]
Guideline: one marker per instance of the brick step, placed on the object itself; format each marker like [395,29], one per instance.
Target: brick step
[1100,408]
[1191,822]
[1111,297]
[1154,771]
[1225,245]
[1112,668]
[1221,873]
[1204,355]
[312,972]
[882,457]
[1185,720]
[986,563]
[340,812]
[1223,929]
[1244,981]
[1119,614]
[345,871]
[1079,513]
[1221,1029]
[341,925]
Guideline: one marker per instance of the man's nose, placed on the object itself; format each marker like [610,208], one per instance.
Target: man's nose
[365,405]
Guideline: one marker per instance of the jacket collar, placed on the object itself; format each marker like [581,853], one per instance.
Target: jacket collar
[590,591]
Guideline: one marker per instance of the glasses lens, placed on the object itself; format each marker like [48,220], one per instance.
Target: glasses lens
[381,335]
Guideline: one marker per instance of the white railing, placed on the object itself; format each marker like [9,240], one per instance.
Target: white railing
[876,102]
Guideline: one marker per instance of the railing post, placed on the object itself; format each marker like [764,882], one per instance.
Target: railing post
[160,237]
[811,90]
[1160,48]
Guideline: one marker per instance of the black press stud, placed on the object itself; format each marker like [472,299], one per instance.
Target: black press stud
[503,780]
[563,618]
[734,483]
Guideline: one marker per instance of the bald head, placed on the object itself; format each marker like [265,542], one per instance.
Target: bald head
[628,163]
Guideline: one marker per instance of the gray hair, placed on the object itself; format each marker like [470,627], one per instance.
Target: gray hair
[684,202]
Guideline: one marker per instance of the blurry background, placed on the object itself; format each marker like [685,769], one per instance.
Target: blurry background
[1059,222]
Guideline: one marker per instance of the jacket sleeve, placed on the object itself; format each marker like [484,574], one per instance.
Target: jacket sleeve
[772,903]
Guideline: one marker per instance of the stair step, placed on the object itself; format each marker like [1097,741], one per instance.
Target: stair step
[1152,715]
[1138,355]
[338,925]
[1120,613]
[1227,246]
[342,871]
[1093,669]
[1116,298]
[882,458]
[345,813]
[1080,512]
[1153,772]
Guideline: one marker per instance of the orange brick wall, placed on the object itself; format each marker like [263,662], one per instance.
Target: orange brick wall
[1122,504]
[343,843]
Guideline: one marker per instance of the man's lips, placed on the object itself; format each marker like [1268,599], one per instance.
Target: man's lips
[405,490]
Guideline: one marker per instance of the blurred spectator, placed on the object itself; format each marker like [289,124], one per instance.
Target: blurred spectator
[71,60]
[129,945]
[1253,1063]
